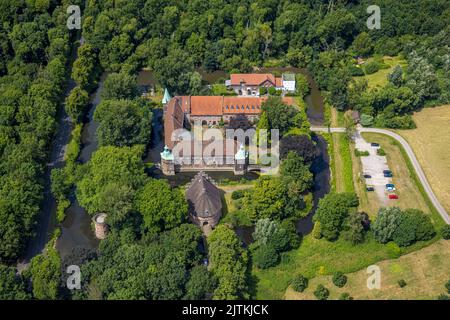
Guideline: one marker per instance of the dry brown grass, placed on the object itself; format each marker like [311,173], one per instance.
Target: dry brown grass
[407,191]
[425,272]
[431,145]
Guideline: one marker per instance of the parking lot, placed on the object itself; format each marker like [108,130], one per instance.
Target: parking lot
[373,165]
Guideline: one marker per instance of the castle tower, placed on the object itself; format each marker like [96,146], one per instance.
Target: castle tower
[101,228]
[240,161]
[166,97]
[167,163]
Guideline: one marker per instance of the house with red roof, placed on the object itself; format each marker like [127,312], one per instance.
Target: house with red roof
[248,84]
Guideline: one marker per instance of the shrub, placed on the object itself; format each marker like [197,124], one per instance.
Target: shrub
[401,283]
[393,250]
[301,85]
[355,71]
[272,91]
[321,293]
[237,194]
[262,91]
[381,152]
[299,283]
[445,232]
[317,230]
[269,232]
[61,207]
[265,256]
[353,228]
[294,238]
[371,67]
[359,153]
[366,120]
[443,296]
[339,279]
[386,223]
[219,89]
[345,296]
[414,226]
[447,286]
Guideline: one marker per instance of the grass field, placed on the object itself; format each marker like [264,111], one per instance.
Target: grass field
[431,145]
[379,78]
[320,257]
[407,190]
[342,164]
[425,272]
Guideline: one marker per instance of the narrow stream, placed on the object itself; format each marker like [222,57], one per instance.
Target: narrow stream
[76,230]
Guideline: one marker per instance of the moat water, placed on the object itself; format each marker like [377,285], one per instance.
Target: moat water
[76,229]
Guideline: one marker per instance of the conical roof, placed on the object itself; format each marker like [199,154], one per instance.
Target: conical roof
[204,196]
[166,97]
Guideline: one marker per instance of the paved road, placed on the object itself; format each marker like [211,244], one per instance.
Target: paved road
[411,156]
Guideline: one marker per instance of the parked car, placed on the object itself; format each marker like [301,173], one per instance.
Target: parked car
[375,144]
[367,176]
[387,171]
[387,175]
[370,188]
[390,187]
[393,196]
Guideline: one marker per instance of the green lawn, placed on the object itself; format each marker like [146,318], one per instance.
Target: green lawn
[425,272]
[341,165]
[379,79]
[320,257]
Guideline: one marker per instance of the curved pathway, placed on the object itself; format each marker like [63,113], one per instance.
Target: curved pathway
[411,156]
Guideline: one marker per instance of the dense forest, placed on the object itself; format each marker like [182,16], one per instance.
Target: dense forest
[35,50]
[176,39]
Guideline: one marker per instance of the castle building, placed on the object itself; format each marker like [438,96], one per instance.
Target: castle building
[180,112]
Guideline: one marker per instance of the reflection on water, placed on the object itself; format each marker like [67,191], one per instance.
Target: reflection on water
[183,178]
[76,230]
[321,170]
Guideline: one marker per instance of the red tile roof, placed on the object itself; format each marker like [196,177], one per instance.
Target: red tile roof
[278,82]
[252,79]
[242,105]
[209,106]
[173,120]
[206,105]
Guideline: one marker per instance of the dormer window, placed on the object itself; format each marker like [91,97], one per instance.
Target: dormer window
[248,107]
[232,107]
[253,107]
